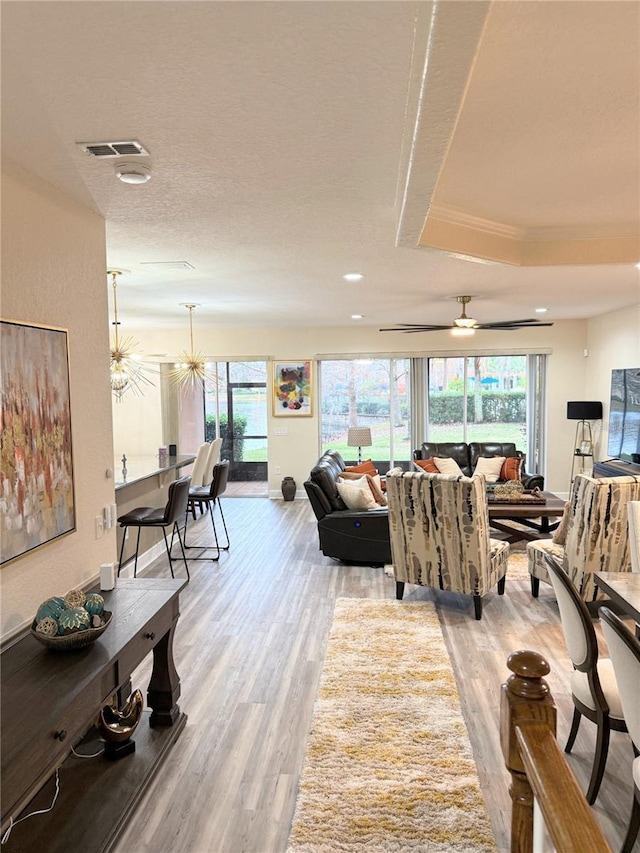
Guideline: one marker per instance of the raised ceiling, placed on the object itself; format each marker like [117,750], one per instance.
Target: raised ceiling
[438,148]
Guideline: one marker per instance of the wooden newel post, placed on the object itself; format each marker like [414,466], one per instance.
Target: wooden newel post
[525,696]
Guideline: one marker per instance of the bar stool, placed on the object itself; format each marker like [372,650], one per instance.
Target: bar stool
[209,496]
[168,516]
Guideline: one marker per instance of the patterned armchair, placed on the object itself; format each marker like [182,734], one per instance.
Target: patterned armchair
[597,534]
[439,528]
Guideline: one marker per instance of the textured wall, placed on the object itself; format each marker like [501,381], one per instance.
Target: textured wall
[53,273]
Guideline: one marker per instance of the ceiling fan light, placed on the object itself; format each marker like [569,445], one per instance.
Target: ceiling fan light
[465,322]
[460,331]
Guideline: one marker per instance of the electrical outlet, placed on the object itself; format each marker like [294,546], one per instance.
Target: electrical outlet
[99,526]
[277,469]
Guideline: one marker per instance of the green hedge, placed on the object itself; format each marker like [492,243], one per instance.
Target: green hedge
[239,429]
[497,407]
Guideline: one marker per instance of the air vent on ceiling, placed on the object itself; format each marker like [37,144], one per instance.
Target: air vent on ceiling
[113,149]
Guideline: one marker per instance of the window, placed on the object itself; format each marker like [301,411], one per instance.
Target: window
[366,392]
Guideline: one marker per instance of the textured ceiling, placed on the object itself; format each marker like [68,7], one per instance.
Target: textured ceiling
[293,142]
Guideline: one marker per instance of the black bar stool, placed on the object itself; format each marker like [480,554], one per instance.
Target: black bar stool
[167,516]
[209,496]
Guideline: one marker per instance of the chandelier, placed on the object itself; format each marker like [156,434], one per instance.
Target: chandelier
[191,370]
[126,370]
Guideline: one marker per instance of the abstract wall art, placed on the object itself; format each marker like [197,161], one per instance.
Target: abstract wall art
[292,389]
[37,503]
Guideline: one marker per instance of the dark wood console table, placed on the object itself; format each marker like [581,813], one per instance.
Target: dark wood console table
[48,703]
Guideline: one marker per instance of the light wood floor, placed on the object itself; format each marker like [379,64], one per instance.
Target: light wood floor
[249,650]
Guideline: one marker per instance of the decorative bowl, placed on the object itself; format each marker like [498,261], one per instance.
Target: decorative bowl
[71,642]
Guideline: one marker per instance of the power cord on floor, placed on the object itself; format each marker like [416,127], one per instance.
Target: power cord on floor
[13,822]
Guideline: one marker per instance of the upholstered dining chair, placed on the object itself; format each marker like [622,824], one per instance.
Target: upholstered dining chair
[213,457]
[593,684]
[597,534]
[439,526]
[209,497]
[633,511]
[171,515]
[200,464]
[624,649]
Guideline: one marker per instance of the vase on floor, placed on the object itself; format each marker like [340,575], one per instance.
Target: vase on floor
[288,488]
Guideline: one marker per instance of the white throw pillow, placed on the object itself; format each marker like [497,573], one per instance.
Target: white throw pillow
[374,482]
[447,466]
[490,467]
[357,494]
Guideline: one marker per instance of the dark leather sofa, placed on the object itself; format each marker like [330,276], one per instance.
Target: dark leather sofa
[467,454]
[347,535]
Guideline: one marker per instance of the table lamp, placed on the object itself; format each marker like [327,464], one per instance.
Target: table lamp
[359,437]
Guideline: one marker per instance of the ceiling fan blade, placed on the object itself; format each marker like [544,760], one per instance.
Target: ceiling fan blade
[513,324]
[412,327]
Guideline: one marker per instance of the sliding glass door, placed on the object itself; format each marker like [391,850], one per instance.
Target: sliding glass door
[366,392]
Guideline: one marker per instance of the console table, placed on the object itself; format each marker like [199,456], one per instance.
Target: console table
[49,701]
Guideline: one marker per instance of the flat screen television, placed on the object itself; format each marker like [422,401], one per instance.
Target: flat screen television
[624,415]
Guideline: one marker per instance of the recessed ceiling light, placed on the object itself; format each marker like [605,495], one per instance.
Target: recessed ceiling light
[357,316]
[541,310]
[638,266]
[133,173]
[353,276]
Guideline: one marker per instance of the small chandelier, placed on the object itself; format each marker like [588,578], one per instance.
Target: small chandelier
[127,373]
[191,370]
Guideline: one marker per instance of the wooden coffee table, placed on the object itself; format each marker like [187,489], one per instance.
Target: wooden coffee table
[537,517]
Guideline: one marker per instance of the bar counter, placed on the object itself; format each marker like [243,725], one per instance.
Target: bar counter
[144,467]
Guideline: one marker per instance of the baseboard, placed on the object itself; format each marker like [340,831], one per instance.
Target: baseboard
[276,495]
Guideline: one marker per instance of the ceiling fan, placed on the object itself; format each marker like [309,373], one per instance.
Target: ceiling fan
[464,325]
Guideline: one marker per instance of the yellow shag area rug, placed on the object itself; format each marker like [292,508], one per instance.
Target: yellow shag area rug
[389,766]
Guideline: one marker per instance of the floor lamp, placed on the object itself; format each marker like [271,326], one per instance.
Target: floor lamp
[583,411]
[359,437]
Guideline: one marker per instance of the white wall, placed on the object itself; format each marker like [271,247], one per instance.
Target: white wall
[137,429]
[53,273]
[613,341]
[296,452]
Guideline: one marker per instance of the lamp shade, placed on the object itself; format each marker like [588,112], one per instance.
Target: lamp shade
[584,410]
[359,437]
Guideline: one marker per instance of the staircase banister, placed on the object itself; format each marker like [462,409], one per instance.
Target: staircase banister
[537,765]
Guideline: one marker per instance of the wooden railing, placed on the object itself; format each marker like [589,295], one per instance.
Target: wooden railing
[537,765]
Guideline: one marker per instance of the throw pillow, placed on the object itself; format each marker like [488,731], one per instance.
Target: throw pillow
[357,494]
[373,480]
[375,484]
[511,468]
[447,466]
[427,465]
[490,466]
[366,467]
[560,533]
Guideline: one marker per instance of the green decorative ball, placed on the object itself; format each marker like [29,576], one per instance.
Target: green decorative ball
[52,607]
[73,619]
[94,605]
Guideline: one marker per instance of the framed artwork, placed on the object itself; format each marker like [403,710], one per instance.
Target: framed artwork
[292,389]
[37,503]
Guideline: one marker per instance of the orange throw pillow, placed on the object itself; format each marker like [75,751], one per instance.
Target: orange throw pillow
[366,467]
[427,465]
[511,468]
